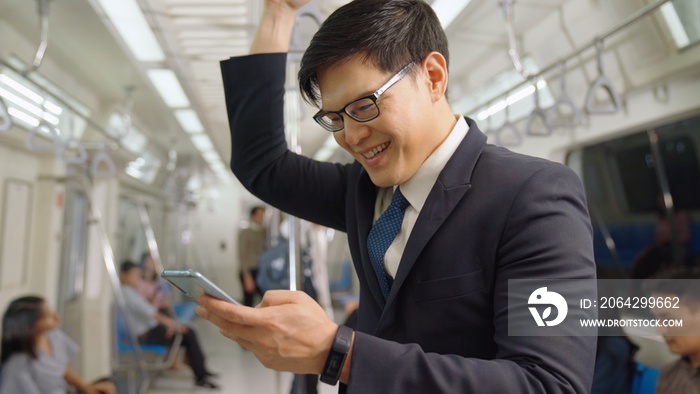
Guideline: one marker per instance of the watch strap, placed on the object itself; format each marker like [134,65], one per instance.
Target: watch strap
[337,355]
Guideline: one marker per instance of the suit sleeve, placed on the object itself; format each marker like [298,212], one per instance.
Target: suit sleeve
[260,159]
[547,235]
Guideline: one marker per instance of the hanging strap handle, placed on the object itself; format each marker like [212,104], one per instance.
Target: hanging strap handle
[5,120]
[102,158]
[72,143]
[565,101]
[43,128]
[44,43]
[602,82]
[508,127]
[536,113]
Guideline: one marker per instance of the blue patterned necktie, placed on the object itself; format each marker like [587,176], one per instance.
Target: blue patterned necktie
[382,235]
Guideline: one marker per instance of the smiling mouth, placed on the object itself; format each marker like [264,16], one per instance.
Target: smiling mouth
[374,152]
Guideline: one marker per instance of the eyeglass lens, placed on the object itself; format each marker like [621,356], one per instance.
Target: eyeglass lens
[362,110]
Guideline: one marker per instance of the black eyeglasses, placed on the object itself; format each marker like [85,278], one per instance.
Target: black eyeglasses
[361,110]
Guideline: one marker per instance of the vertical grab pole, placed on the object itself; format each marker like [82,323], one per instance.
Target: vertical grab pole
[677,253]
[110,265]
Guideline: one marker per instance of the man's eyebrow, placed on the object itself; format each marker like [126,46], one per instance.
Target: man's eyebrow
[359,96]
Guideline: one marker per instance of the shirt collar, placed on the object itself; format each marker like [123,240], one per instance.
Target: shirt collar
[417,188]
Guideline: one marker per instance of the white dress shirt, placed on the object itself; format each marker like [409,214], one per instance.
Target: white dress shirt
[416,191]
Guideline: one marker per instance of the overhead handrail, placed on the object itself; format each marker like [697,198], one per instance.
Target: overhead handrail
[102,158]
[615,29]
[564,100]
[538,113]
[602,82]
[5,119]
[508,127]
[44,43]
[53,133]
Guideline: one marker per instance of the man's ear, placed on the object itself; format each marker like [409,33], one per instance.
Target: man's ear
[434,67]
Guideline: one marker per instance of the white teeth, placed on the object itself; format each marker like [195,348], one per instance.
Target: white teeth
[376,150]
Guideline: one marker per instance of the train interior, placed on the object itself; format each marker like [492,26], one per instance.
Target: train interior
[114,143]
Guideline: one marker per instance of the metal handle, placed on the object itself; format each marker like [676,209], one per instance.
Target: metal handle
[102,158]
[508,127]
[538,112]
[30,144]
[564,100]
[74,143]
[602,82]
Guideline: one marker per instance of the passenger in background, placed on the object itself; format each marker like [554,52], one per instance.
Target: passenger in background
[683,376]
[36,353]
[614,361]
[251,243]
[159,293]
[154,327]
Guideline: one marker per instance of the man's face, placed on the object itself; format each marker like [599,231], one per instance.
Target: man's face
[402,131]
[681,340]
[259,216]
[132,277]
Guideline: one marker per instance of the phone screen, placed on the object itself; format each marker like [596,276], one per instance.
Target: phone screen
[193,284]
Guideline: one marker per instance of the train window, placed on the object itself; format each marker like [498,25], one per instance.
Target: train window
[683,20]
[638,172]
[623,179]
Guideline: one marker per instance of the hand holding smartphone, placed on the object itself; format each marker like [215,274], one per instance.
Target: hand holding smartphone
[193,284]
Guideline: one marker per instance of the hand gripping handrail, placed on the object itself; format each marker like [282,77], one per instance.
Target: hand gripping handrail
[5,119]
[33,133]
[564,100]
[507,127]
[602,82]
[538,112]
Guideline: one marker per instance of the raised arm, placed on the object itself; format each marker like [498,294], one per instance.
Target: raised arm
[275,30]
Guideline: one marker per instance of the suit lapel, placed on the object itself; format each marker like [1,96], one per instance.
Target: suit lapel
[449,189]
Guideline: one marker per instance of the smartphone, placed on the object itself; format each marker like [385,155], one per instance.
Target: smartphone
[193,284]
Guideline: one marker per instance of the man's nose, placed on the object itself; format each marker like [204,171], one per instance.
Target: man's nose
[355,131]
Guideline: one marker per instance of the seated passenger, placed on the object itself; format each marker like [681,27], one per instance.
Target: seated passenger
[614,360]
[682,376]
[35,353]
[154,327]
[159,293]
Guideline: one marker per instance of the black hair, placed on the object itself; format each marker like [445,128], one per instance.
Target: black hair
[127,266]
[255,209]
[19,327]
[389,34]
[681,282]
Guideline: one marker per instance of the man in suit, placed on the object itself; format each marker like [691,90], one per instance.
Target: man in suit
[437,220]
[251,243]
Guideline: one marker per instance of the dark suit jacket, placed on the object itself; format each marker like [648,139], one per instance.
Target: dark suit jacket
[492,215]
